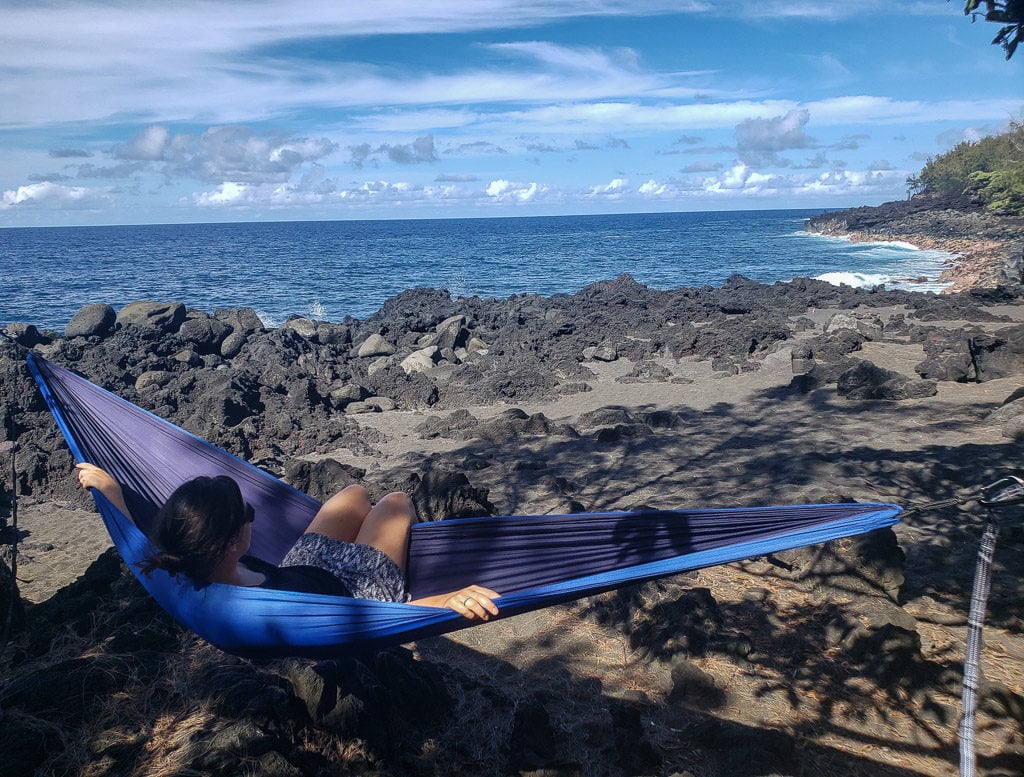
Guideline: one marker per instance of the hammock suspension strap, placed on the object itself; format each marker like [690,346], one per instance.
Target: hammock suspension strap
[1006,491]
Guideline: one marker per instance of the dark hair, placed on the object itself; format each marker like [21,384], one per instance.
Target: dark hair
[194,528]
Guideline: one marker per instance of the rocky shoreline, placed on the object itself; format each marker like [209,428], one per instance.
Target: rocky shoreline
[989,248]
[842,660]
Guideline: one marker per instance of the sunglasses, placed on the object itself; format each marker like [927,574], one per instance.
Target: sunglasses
[249,512]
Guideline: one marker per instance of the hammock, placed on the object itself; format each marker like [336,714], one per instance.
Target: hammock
[533,561]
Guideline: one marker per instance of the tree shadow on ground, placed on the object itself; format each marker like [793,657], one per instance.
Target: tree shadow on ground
[822,679]
[839,676]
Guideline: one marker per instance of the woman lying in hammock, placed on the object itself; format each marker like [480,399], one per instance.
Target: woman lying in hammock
[351,547]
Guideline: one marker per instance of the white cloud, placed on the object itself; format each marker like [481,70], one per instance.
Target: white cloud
[229,153]
[807,9]
[148,146]
[652,188]
[612,190]
[116,60]
[742,181]
[132,61]
[419,151]
[874,109]
[738,182]
[228,193]
[158,75]
[505,191]
[325,194]
[759,140]
[48,194]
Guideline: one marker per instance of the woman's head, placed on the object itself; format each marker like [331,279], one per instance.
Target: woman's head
[197,526]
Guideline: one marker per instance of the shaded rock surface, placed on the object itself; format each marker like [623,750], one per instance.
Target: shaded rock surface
[752,669]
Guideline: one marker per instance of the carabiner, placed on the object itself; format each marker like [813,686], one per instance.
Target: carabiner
[1005,491]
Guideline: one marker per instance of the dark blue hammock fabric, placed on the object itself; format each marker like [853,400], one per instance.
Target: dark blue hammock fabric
[533,561]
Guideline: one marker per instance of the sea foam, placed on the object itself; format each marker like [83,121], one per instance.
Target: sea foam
[854,279]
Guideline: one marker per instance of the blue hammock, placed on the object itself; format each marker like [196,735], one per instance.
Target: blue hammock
[533,561]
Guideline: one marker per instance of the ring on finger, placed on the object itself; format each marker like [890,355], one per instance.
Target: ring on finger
[466,601]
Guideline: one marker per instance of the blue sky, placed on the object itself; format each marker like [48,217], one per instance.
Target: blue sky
[144,112]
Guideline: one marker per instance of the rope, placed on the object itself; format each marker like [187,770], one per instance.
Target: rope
[975,641]
[951,502]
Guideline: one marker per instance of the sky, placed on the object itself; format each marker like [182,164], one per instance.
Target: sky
[222,110]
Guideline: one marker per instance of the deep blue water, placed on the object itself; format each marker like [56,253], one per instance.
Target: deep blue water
[330,269]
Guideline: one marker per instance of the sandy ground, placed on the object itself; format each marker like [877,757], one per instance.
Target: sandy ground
[745,439]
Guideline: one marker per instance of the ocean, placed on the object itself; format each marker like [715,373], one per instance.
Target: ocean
[331,269]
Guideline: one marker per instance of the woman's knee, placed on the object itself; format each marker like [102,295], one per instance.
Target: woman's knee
[355,492]
[398,503]
[352,498]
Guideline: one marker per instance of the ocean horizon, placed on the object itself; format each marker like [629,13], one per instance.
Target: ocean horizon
[329,270]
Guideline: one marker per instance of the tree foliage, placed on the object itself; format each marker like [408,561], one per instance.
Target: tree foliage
[1009,13]
[989,172]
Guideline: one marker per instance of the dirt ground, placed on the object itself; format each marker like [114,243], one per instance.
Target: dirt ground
[740,439]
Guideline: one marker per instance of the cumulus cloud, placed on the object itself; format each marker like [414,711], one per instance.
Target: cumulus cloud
[239,154]
[652,188]
[360,154]
[740,180]
[504,191]
[223,153]
[148,146]
[406,193]
[233,194]
[860,181]
[50,195]
[759,141]
[325,192]
[420,151]
[614,189]
[227,193]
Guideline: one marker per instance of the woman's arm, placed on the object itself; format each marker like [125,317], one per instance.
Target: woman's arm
[91,476]
[473,602]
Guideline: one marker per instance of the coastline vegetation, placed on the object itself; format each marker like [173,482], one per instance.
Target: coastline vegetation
[987,172]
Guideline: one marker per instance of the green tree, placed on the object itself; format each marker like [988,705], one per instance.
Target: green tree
[1009,13]
[988,172]
[1003,190]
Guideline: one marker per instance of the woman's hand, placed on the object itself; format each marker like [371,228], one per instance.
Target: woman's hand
[473,602]
[91,476]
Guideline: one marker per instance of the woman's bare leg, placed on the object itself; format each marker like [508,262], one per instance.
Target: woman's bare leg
[342,516]
[387,527]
